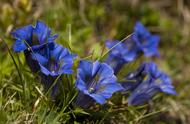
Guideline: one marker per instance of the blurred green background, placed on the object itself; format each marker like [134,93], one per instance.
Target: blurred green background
[87,24]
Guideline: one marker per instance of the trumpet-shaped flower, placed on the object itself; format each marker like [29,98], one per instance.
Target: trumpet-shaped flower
[32,38]
[154,81]
[141,41]
[42,54]
[55,61]
[133,79]
[145,41]
[96,82]
[120,54]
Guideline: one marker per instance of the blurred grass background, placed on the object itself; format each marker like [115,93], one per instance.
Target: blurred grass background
[90,23]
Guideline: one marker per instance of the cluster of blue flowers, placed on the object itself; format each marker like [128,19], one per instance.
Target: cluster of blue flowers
[140,42]
[95,81]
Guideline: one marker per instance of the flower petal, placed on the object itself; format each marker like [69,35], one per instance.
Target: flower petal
[41,59]
[98,98]
[85,69]
[109,89]
[19,46]
[96,68]
[80,84]
[24,33]
[42,31]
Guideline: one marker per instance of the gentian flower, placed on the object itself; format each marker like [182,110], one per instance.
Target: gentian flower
[42,54]
[54,62]
[134,78]
[29,37]
[127,51]
[154,82]
[96,82]
[120,54]
[145,41]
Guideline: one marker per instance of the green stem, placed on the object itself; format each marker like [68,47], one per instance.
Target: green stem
[17,68]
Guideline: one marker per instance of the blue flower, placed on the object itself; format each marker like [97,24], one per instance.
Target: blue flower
[120,54]
[96,82]
[141,41]
[154,81]
[55,61]
[145,41]
[32,38]
[121,51]
[134,78]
